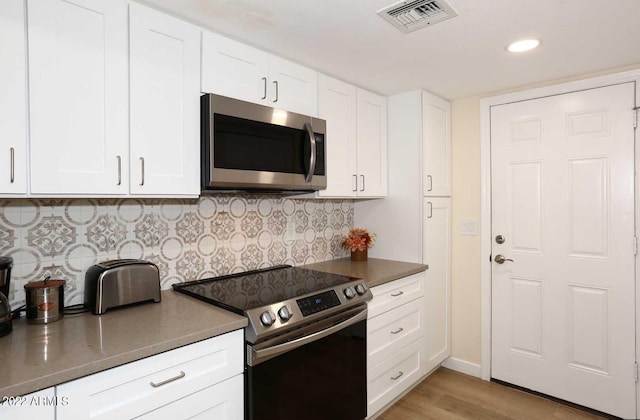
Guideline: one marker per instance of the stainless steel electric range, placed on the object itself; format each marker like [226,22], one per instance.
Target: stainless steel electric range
[305,342]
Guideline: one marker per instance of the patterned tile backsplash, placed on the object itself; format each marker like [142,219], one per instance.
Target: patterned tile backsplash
[186,239]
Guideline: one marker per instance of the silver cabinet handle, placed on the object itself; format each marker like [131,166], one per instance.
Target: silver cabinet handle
[400,373]
[355,182]
[398,331]
[119,160]
[12,173]
[264,80]
[175,378]
[276,83]
[430,215]
[400,293]
[312,158]
[142,171]
[500,259]
[430,183]
[362,188]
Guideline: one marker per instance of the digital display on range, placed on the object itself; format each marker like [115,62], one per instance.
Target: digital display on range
[317,303]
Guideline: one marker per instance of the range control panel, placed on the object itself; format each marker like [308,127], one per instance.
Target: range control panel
[316,303]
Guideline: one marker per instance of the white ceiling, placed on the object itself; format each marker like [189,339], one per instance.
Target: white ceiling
[459,57]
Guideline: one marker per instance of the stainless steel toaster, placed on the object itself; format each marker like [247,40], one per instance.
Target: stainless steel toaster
[115,283]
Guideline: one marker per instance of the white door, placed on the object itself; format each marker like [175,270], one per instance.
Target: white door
[563,198]
[78,92]
[165,104]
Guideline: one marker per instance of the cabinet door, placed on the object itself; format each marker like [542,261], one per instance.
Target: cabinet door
[147,385]
[220,402]
[337,105]
[437,145]
[39,405]
[13,100]
[165,104]
[292,87]
[437,254]
[372,144]
[78,96]
[233,69]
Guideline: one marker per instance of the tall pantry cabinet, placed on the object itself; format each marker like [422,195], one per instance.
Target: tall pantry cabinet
[413,223]
[436,131]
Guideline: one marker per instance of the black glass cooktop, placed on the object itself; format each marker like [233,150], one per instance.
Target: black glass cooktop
[242,291]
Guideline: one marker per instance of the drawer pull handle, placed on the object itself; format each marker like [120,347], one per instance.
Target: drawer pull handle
[398,331]
[175,378]
[397,294]
[400,373]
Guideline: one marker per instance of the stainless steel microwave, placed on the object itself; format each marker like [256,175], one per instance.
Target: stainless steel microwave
[246,146]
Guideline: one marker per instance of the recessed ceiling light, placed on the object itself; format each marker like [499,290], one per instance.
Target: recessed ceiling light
[523,45]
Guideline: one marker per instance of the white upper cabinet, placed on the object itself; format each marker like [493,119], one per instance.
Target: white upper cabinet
[236,70]
[356,140]
[13,99]
[165,104]
[372,144]
[78,96]
[232,69]
[437,145]
[293,87]
[337,105]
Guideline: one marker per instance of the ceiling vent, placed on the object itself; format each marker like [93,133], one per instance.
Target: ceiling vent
[409,16]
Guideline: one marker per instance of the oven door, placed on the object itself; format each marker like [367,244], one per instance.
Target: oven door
[318,372]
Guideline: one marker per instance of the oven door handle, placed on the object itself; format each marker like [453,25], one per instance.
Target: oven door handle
[269,352]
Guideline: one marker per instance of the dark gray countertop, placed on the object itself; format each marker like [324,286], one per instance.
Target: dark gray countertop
[35,357]
[375,271]
[40,356]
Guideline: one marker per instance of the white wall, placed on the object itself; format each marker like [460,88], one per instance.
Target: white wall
[465,250]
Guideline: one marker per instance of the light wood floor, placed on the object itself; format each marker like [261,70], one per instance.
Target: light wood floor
[447,394]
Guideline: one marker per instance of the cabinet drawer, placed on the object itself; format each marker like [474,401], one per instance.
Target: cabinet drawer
[128,391]
[395,293]
[389,332]
[391,377]
[222,401]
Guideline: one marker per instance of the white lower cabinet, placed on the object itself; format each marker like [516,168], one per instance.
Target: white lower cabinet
[223,401]
[39,405]
[201,380]
[396,338]
[437,254]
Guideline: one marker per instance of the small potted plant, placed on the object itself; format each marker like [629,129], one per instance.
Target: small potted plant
[358,241]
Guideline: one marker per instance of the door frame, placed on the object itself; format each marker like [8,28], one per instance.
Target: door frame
[485,197]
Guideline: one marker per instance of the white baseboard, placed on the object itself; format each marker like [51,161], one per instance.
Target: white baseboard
[463,366]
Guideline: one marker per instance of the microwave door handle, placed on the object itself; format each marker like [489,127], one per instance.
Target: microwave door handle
[312,159]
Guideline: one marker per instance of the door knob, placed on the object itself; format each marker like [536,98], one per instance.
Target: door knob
[500,259]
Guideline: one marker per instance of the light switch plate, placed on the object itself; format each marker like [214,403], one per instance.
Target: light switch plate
[469,227]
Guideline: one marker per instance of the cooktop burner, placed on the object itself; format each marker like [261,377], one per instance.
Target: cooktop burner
[279,297]
[242,291]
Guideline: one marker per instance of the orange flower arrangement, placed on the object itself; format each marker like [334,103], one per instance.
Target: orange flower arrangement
[358,240]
